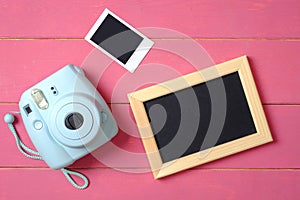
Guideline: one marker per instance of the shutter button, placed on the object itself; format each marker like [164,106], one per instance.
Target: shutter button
[38,125]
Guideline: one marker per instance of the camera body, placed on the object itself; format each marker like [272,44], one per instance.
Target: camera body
[65,117]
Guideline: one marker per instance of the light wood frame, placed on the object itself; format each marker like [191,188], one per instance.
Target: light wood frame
[138,98]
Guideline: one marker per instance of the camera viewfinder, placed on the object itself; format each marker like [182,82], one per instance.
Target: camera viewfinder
[27,109]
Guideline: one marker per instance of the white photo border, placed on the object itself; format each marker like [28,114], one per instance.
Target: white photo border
[139,53]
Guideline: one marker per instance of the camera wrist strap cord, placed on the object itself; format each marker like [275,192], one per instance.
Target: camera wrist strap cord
[29,153]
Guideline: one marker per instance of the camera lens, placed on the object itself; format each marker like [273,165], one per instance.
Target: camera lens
[74,121]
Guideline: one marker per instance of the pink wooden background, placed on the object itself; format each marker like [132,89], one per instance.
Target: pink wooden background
[39,37]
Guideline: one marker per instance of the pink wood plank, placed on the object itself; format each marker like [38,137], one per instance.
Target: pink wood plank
[56,19]
[25,62]
[282,153]
[194,184]
[272,63]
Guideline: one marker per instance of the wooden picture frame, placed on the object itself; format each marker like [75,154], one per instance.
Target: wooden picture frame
[262,135]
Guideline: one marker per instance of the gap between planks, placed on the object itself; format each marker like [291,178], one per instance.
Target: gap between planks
[192,38]
[142,168]
[265,104]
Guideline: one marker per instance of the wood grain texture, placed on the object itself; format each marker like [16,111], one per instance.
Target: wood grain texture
[273,63]
[52,31]
[281,153]
[225,19]
[109,184]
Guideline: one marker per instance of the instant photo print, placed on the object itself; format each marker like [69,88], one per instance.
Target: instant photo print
[120,41]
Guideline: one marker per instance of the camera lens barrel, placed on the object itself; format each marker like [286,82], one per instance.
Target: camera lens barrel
[74,121]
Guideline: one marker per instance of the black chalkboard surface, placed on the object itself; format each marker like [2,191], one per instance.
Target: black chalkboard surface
[238,121]
[200,117]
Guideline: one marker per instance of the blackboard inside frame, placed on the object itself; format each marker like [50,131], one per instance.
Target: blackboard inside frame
[200,117]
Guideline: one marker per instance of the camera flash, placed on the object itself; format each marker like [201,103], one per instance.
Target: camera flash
[39,99]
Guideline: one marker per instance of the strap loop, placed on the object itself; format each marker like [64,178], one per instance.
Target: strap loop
[30,153]
[22,147]
[68,174]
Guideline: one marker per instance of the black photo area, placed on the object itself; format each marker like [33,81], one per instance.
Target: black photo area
[117,39]
[238,119]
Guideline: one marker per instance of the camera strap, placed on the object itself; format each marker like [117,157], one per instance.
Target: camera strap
[30,153]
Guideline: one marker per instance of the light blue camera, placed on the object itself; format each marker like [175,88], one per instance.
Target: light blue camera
[65,117]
